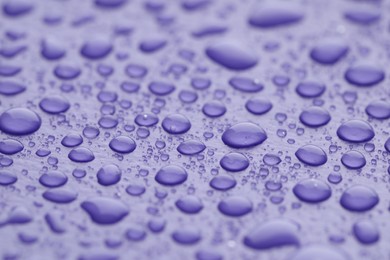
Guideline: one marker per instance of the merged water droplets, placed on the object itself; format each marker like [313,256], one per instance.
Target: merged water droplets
[104,210]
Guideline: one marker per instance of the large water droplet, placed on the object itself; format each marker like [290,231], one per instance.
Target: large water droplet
[10,146]
[379,109]
[103,210]
[19,121]
[314,117]
[191,147]
[359,198]
[275,14]
[109,174]
[54,104]
[244,135]
[246,84]
[234,162]
[312,190]
[81,154]
[353,160]
[235,206]
[329,51]
[123,144]
[171,175]
[364,75]
[366,232]
[189,204]
[176,124]
[355,131]
[311,155]
[310,89]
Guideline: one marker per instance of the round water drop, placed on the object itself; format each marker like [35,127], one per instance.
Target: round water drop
[353,160]
[19,215]
[355,131]
[366,232]
[122,144]
[91,132]
[109,174]
[234,162]
[311,155]
[19,121]
[79,173]
[364,75]
[60,195]
[200,83]
[81,154]
[9,88]
[189,204]
[96,49]
[171,175]
[191,147]
[314,117]
[7,178]
[245,84]
[329,52]
[271,159]
[258,106]
[335,178]
[108,122]
[176,124]
[10,146]
[379,109]
[363,15]
[271,234]
[187,96]
[146,120]
[67,72]
[54,104]
[104,210]
[9,70]
[17,8]
[312,191]
[387,145]
[310,89]
[72,140]
[235,206]
[135,190]
[157,225]
[186,235]
[52,49]
[231,55]
[109,3]
[161,88]
[273,15]
[244,135]
[204,254]
[107,96]
[136,71]
[223,182]
[359,198]
[135,234]
[214,109]
[130,87]
[318,252]
[152,45]
[53,179]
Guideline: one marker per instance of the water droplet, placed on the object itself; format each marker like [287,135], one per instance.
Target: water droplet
[353,160]
[273,233]
[258,106]
[275,14]
[311,155]
[104,210]
[171,175]
[204,254]
[176,124]
[378,109]
[214,109]
[7,178]
[231,55]
[359,198]
[314,117]
[146,120]
[67,72]
[136,71]
[9,88]
[10,146]
[52,49]
[135,190]
[234,162]
[191,147]
[312,191]
[189,204]
[366,232]
[329,51]
[244,135]
[72,140]
[109,174]
[235,206]
[135,234]
[96,49]
[319,252]
[246,84]
[363,14]
[81,154]
[109,3]
[310,89]
[223,182]
[364,75]
[53,179]
[152,45]
[60,195]
[186,235]
[17,8]
[355,131]
[19,121]
[122,144]
[161,88]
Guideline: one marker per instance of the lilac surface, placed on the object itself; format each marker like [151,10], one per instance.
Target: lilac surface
[194,129]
